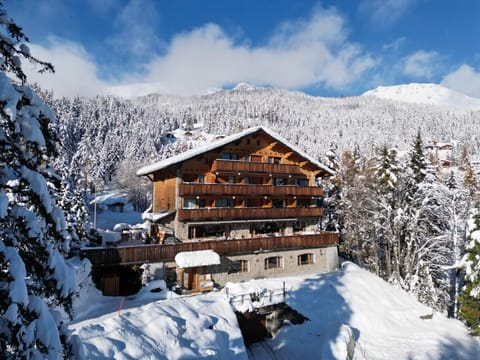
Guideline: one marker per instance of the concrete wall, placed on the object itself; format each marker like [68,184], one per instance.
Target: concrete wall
[324,260]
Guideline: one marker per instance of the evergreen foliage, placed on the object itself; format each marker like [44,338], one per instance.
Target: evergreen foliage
[36,282]
[470,298]
[402,223]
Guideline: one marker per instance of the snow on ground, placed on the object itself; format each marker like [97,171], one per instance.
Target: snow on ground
[385,322]
[107,219]
[171,328]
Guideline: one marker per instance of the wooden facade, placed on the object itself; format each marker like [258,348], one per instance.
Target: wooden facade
[243,193]
[247,213]
[131,255]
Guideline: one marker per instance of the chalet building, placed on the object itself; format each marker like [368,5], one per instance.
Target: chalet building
[253,198]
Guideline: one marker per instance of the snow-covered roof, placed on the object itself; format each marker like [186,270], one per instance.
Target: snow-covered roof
[156,216]
[189,259]
[146,170]
[110,198]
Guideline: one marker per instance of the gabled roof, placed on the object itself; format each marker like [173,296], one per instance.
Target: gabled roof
[187,155]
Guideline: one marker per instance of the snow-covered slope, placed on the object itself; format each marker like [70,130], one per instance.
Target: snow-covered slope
[385,322]
[432,94]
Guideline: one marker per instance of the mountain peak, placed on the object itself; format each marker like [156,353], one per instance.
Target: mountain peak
[245,87]
[426,93]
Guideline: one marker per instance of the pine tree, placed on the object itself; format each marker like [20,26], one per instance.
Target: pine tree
[470,182]
[35,281]
[418,162]
[386,180]
[470,298]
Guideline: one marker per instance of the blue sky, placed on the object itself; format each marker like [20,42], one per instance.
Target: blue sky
[325,48]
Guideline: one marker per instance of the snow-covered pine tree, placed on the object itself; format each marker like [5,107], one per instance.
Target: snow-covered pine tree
[386,188]
[332,218]
[36,283]
[458,212]
[470,298]
[418,162]
[431,248]
[358,234]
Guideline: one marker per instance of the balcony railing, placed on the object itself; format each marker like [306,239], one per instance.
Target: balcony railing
[194,189]
[247,213]
[154,253]
[252,167]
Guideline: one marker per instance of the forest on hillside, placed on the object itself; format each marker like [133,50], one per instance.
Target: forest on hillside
[399,213]
[100,134]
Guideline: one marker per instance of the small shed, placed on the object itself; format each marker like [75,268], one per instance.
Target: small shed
[193,269]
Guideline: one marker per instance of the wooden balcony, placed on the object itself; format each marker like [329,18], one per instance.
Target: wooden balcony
[252,167]
[155,253]
[194,189]
[247,213]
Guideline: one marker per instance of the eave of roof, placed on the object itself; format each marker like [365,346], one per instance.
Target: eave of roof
[187,155]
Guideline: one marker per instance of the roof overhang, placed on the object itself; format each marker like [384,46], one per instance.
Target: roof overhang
[187,155]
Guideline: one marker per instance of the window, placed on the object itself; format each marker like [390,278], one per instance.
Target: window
[299,226]
[279,181]
[239,266]
[201,179]
[302,182]
[221,203]
[229,156]
[303,203]
[305,259]
[246,180]
[278,203]
[267,228]
[247,157]
[189,203]
[274,262]
[274,160]
[206,231]
[318,202]
[230,202]
[231,179]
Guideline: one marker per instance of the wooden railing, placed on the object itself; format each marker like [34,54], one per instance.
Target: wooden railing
[154,253]
[247,213]
[194,189]
[252,167]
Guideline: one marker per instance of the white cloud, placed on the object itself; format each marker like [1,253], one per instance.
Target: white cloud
[299,54]
[136,22]
[394,45]
[385,12]
[421,64]
[75,73]
[465,79]
[302,53]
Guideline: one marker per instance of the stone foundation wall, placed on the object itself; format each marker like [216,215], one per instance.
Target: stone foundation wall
[323,260]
